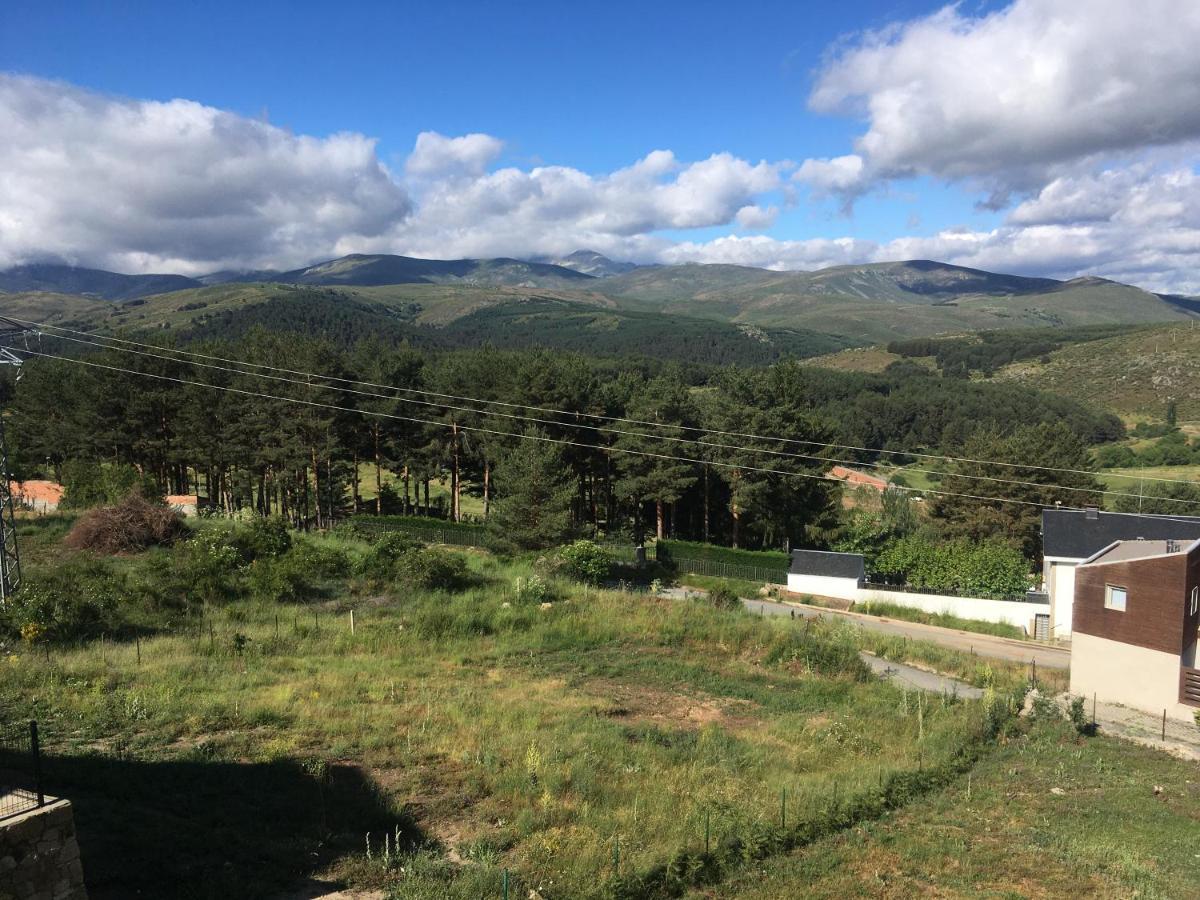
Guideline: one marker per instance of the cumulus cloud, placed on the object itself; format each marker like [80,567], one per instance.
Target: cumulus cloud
[1014,98]
[438,155]
[138,185]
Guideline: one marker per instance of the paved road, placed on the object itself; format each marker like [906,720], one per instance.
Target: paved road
[966,641]
[984,645]
[909,677]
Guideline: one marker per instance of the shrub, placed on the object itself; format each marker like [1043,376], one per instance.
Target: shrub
[314,560]
[379,562]
[723,598]
[87,484]
[586,561]
[208,564]
[532,590]
[78,598]
[429,569]
[130,526]
[261,538]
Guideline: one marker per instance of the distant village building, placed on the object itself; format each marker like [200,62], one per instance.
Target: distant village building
[856,478]
[184,504]
[1070,536]
[39,496]
[1136,618]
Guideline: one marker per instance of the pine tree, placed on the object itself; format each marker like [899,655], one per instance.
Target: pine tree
[534,494]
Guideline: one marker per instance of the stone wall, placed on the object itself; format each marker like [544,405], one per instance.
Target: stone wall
[39,858]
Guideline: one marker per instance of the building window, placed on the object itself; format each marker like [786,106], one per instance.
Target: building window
[1195,601]
[1115,597]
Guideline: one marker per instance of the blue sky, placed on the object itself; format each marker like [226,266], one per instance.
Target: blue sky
[595,88]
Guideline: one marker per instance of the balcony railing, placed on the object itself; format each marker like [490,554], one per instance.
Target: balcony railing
[1189,686]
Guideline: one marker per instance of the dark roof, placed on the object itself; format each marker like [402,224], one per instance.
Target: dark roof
[831,565]
[1079,533]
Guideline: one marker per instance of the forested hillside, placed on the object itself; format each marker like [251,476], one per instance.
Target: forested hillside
[203,426]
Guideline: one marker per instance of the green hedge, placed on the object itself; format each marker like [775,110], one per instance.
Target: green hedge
[763,559]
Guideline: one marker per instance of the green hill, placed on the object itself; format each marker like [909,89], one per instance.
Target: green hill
[431,315]
[1134,375]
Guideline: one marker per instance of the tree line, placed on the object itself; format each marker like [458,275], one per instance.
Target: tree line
[313,460]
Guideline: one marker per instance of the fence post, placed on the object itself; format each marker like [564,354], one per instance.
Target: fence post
[35,749]
[707,829]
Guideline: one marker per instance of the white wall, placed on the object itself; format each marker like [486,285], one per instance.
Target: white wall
[1124,673]
[1060,583]
[823,586]
[1009,612]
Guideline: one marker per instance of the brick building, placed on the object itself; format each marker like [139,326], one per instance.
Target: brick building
[1136,617]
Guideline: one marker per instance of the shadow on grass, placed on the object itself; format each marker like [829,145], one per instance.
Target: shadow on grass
[209,829]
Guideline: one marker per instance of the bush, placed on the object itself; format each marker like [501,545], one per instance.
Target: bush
[585,561]
[723,598]
[208,564]
[88,484]
[428,569]
[316,561]
[131,526]
[531,591]
[983,568]
[397,557]
[379,562]
[77,599]
[261,538]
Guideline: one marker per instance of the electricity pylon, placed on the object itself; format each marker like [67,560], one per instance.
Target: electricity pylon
[10,557]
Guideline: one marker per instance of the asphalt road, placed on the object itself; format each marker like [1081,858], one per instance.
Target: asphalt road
[985,645]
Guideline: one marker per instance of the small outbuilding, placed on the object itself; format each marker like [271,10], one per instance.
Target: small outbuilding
[823,573]
[1137,616]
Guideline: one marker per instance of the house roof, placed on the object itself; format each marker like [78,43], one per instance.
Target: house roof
[853,476]
[1080,533]
[35,491]
[826,563]
[1125,551]
[182,499]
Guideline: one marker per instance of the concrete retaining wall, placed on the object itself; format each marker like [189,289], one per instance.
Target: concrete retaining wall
[1009,612]
[39,858]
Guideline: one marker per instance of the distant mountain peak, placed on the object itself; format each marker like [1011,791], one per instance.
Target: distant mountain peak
[589,262]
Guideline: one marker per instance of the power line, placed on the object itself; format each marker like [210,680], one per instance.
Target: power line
[578,413]
[521,436]
[598,428]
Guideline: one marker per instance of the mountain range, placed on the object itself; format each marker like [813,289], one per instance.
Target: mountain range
[856,304]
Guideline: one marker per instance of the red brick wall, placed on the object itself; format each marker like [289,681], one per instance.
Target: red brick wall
[1155,610]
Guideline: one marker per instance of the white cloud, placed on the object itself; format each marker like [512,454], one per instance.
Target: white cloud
[139,185]
[1009,99]
[842,174]
[146,186]
[438,155]
[769,253]
[756,218]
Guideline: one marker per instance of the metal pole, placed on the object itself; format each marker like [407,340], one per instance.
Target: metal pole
[36,749]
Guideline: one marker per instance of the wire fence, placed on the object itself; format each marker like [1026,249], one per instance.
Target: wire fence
[20,769]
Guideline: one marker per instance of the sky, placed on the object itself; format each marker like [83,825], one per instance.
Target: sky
[1043,137]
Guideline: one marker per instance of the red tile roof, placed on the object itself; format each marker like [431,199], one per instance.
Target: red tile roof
[35,491]
[853,476]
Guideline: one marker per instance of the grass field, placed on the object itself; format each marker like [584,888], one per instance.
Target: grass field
[1129,479]
[1038,818]
[585,746]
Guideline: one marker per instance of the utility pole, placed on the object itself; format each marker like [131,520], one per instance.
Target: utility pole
[10,557]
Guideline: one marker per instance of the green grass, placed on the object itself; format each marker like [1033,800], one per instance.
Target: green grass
[1005,832]
[491,734]
[528,738]
[943,620]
